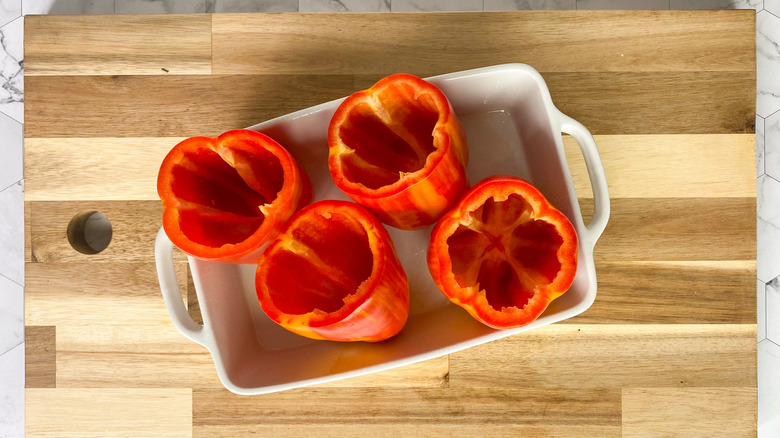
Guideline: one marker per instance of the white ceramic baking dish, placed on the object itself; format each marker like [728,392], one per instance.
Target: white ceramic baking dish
[513,128]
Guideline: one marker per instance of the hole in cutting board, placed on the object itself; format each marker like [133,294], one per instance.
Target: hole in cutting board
[89,232]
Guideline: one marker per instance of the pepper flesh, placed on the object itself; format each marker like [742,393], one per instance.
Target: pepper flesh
[399,150]
[224,198]
[334,274]
[504,253]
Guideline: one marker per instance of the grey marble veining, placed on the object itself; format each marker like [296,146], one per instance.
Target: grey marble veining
[255,6]
[760,155]
[772,145]
[772,308]
[768,389]
[761,310]
[622,4]
[12,154]
[768,63]
[716,4]
[11,314]
[768,228]
[12,393]
[773,6]
[519,5]
[11,193]
[11,73]
[344,6]
[203,6]
[163,6]
[55,7]
[9,10]
[12,233]
[435,5]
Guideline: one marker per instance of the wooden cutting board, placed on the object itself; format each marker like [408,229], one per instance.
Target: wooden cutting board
[668,348]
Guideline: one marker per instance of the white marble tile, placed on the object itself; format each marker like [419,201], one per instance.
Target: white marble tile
[344,6]
[768,228]
[11,73]
[67,7]
[772,145]
[435,5]
[10,151]
[716,4]
[163,6]
[772,324]
[10,10]
[760,155]
[767,63]
[12,393]
[761,310]
[12,233]
[622,4]
[11,314]
[255,5]
[773,6]
[768,389]
[519,5]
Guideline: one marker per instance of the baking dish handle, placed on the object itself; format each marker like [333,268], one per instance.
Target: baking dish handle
[169,285]
[598,179]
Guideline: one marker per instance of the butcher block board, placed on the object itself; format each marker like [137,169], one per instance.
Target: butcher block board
[667,349]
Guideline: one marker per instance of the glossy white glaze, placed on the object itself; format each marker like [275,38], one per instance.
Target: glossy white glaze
[513,128]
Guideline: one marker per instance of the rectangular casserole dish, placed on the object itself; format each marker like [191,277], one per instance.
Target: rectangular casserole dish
[512,127]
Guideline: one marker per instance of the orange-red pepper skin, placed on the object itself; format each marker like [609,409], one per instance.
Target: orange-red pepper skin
[503,253]
[225,198]
[333,274]
[399,150]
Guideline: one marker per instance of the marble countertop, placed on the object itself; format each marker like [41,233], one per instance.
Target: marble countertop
[11,156]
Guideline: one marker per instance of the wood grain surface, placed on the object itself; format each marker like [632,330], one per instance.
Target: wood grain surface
[667,349]
[688,412]
[175,44]
[88,412]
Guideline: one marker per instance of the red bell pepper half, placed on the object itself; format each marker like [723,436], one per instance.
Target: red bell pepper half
[399,150]
[224,198]
[504,253]
[334,274]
